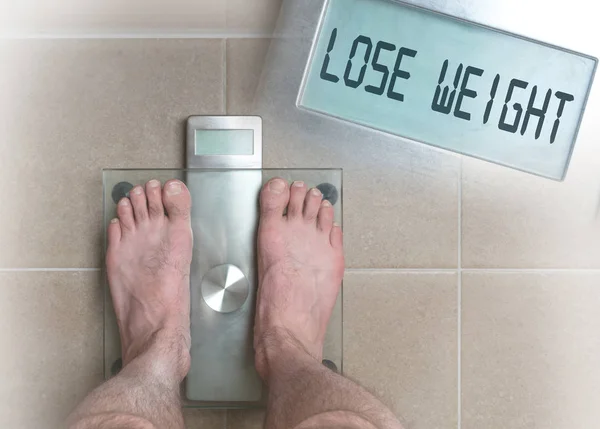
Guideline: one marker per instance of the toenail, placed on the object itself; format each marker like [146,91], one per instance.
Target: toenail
[154,183]
[316,192]
[277,186]
[114,220]
[336,224]
[137,190]
[326,204]
[174,188]
[124,202]
[298,184]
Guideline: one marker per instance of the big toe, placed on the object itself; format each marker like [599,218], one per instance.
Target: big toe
[177,200]
[274,198]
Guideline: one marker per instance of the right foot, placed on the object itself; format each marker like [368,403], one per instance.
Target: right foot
[300,270]
[148,267]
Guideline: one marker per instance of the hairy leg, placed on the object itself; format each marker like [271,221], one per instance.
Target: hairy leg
[148,262]
[301,265]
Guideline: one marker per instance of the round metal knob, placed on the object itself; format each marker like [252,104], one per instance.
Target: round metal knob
[225,288]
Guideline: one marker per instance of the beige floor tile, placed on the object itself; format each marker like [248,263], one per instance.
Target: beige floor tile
[401,198]
[112,16]
[203,419]
[51,342]
[400,341]
[72,107]
[245,60]
[401,216]
[530,350]
[515,220]
[245,419]
[252,16]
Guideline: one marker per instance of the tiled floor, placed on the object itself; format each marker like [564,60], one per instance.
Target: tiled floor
[131,17]
[400,342]
[530,350]
[72,107]
[481,283]
[51,342]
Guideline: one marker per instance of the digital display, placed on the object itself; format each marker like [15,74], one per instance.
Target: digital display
[224,142]
[449,83]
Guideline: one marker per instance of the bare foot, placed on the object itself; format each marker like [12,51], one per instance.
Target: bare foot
[300,269]
[148,264]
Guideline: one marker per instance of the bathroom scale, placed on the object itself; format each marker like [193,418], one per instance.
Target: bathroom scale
[224,156]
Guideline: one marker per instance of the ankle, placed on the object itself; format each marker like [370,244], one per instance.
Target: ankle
[277,352]
[166,354]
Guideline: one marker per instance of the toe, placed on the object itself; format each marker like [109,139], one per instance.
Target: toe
[125,212]
[156,210]
[297,196]
[139,203]
[114,232]
[274,198]
[336,237]
[177,200]
[325,218]
[312,204]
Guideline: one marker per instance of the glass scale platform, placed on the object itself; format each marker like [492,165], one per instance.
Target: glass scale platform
[224,223]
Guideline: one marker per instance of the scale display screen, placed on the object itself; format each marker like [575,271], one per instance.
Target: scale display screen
[449,83]
[224,142]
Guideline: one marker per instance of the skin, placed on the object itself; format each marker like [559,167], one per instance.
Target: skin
[300,265]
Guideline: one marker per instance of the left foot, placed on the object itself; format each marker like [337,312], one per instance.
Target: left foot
[148,266]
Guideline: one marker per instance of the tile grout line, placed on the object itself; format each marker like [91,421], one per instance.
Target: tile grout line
[479,270]
[402,270]
[459,301]
[58,270]
[383,270]
[149,35]
[530,270]
[225,76]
